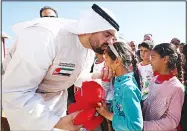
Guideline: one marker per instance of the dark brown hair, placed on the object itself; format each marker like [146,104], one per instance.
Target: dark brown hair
[127,57]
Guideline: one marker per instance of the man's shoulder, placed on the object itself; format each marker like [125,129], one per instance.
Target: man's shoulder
[53,25]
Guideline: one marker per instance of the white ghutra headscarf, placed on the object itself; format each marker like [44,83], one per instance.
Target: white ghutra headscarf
[93,20]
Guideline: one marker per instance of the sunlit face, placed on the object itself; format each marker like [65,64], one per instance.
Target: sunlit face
[109,62]
[175,42]
[99,41]
[145,53]
[147,37]
[48,12]
[156,61]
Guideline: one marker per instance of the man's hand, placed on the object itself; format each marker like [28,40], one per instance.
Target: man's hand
[107,73]
[66,122]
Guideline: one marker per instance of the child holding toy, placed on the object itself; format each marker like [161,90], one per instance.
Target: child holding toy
[127,114]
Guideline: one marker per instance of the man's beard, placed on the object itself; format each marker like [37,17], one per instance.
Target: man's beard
[99,50]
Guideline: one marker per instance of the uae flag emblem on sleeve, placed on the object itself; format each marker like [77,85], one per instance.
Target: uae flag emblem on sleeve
[63,71]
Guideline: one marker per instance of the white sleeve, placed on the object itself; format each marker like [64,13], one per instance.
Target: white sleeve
[25,109]
[85,74]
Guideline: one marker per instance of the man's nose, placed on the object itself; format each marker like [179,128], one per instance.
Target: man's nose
[111,41]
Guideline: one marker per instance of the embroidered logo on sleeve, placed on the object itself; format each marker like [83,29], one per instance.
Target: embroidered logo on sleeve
[67,65]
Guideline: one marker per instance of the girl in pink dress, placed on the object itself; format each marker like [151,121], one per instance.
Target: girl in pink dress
[162,108]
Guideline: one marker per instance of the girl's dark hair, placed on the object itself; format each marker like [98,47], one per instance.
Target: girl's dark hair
[179,67]
[185,64]
[147,44]
[127,57]
[139,59]
[175,61]
[138,54]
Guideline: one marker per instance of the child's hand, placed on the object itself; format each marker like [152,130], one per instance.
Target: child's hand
[103,111]
[102,108]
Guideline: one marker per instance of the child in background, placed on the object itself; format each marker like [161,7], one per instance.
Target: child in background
[162,108]
[144,67]
[127,114]
[133,47]
[148,37]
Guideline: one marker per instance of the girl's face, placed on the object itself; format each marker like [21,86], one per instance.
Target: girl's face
[110,63]
[157,62]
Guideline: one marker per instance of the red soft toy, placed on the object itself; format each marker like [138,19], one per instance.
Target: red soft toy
[87,98]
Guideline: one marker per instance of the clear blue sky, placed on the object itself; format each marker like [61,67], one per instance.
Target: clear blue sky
[164,20]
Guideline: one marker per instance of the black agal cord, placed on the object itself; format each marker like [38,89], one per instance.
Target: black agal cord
[102,13]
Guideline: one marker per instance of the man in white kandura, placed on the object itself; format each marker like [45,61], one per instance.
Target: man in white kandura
[50,55]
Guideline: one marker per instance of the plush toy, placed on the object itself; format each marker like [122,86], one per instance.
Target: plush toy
[87,98]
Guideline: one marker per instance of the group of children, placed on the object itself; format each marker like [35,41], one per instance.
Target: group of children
[146,95]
